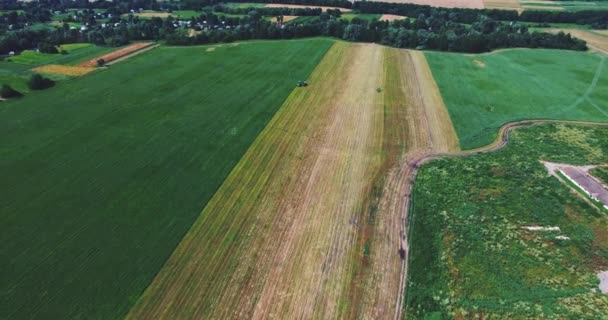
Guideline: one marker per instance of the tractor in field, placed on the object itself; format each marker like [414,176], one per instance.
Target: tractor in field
[302,83]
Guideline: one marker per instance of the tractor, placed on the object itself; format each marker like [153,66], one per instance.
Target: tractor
[302,83]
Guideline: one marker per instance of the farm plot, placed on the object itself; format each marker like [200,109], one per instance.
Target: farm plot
[503,4]
[484,91]
[296,231]
[103,175]
[117,54]
[495,236]
[472,4]
[76,53]
[298,6]
[72,71]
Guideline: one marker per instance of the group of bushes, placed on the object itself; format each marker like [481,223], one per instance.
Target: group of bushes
[36,82]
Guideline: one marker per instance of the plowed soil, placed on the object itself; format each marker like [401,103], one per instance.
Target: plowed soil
[116,54]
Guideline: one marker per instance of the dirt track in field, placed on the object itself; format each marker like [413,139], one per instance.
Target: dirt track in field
[309,223]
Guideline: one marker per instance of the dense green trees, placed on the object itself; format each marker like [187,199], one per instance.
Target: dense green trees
[8,92]
[462,30]
[38,82]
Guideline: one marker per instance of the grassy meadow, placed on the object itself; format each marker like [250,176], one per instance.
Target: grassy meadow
[600,173]
[76,53]
[103,175]
[470,255]
[484,91]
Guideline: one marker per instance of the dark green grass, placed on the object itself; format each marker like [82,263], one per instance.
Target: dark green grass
[15,75]
[601,173]
[519,84]
[470,256]
[103,175]
[368,17]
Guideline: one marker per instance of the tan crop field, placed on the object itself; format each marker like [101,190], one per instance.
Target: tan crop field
[503,4]
[310,221]
[298,6]
[472,4]
[114,55]
[391,17]
[72,71]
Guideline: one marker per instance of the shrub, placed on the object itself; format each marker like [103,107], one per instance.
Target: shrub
[46,47]
[38,82]
[7,92]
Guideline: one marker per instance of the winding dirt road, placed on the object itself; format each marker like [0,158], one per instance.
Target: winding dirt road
[411,169]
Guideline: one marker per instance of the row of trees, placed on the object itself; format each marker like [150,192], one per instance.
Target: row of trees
[435,29]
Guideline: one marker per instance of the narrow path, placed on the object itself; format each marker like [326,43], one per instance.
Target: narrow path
[411,168]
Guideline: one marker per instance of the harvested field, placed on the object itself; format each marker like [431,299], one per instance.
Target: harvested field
[597,42]
[472,4]
[602,32]
[152,14]
[117,54]
[391,17]
[297,6]
[332,153]
[72,71]
[503,4]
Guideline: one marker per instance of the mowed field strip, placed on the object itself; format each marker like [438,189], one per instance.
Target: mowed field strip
[103,175]
[292,231]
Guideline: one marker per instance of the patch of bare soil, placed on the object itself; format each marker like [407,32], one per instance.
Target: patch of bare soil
[391,17]
[124,52]
[479,63]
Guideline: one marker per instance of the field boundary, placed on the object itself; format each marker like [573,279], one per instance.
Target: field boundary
[500,142]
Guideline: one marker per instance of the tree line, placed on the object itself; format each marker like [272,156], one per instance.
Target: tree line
[459,30]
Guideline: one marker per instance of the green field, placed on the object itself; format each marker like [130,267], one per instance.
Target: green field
[565,5]
[103,175]
[484,91]
[76,53]
[368,17]
[470,255]
[15,75]
[245,5]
